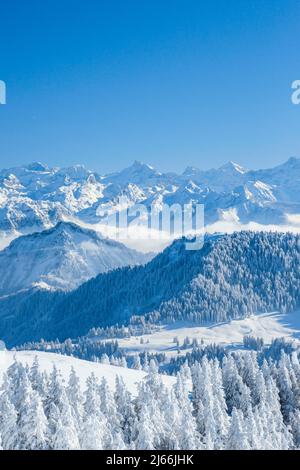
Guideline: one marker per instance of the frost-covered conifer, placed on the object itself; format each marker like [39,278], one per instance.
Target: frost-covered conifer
[94,431]
[8,420]
[136,362]
[237,436]
[33,425]
[75,398]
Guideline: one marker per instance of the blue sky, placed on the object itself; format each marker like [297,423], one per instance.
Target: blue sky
[169,82]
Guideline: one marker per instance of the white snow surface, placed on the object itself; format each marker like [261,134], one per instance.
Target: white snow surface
[267,326]
[82,368]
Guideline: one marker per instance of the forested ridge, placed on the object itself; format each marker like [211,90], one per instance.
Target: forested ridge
[230,277]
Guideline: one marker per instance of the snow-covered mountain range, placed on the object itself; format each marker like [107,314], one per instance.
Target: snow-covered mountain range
[55,216]
[62,257]
[36,197]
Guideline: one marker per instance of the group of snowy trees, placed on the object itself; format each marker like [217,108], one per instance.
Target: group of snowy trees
[109,352]
[137,326]
[241,274]
[230,404]
[96,350]
[83,348]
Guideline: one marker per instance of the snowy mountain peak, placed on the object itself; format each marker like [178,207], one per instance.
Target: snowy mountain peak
[292,162]
[137,164]
[138,173]
[76,172]
[233,167]
[62,257]
[66,227]
[37,196]
[141,168]
[190,170]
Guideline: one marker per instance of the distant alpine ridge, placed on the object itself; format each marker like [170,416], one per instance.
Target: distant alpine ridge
[231,277]
[36,197]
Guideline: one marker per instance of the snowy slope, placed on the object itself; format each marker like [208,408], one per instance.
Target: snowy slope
[62,257]
[83,369]
[267,326]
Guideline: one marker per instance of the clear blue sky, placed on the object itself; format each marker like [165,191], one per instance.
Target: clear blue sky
[169,82]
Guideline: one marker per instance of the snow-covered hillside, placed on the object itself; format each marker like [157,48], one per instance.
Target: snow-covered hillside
[35,197]
[266,326]
[62,257]
[82,368]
